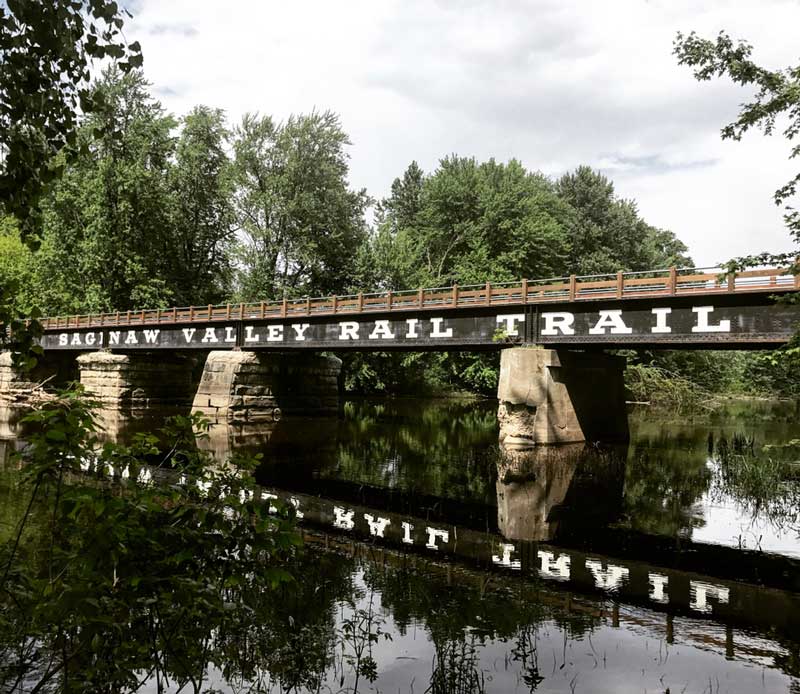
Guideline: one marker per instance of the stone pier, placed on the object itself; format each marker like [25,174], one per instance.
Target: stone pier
[137,381]
[557,396]
[20,388]
[264,386]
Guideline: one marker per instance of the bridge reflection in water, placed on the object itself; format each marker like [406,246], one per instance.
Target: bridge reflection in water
[426,509]
[550,515]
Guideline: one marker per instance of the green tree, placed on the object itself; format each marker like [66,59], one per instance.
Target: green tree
[127,569]
[301,224]
[608,234]
[16,268]
[107,223]
[388,258]
[468,222]
[198,253]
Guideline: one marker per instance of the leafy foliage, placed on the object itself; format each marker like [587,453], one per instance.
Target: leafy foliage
[136,570]
[107,219]
[667,390]
[142,217]
[301,223]
[47,49]
[199,251]
[608,233]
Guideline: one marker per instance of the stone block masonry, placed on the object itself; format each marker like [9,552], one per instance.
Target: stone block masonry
[264,386]
[557,396]
[131,382]
[23,389]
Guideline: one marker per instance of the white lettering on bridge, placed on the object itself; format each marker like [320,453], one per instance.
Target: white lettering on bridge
[689,322]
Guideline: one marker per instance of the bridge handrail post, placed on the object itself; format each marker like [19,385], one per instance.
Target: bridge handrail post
[524,291]
[241,311]
[210,311]
[191,313]
[308,305]
[227,312]
[421,297]
[174,314]
[283,307]
[455,295]
[263,309]
[128,318]
[360,302]
[672,282]
[572,287]
[389,300]
[142,316]
[620,284]
[488,293]
[158,316]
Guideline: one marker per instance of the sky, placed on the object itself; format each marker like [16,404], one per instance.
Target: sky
[552,83]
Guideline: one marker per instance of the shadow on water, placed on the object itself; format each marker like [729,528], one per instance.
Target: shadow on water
[571,568]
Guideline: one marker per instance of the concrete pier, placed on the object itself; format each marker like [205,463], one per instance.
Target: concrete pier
[264,386]
[556,396]
[137,381]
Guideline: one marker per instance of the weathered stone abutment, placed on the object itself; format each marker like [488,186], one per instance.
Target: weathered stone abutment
[137,381]
[21,388]
[557,396]
[264,386]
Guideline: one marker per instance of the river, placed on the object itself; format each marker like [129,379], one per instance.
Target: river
[671,564]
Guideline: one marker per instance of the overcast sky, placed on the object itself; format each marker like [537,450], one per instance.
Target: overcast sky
[553,83]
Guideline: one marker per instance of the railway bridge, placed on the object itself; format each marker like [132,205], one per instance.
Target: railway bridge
[556,383]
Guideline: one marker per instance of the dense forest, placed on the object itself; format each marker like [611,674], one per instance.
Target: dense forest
[154,211]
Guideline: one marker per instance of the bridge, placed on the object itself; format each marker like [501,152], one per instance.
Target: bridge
[268,359]
[695,308]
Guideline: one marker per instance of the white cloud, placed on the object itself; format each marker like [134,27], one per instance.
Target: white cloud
[555,83]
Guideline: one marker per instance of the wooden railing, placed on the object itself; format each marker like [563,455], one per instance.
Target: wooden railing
[622,285]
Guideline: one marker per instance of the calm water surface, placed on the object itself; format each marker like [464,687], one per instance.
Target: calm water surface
[668,565]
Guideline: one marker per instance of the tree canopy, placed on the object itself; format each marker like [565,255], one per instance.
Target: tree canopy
[300,223]
[469,222]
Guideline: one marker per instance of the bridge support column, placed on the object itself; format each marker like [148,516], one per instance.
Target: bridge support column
[556,396]
[263,386]
[20,389]
[137,381]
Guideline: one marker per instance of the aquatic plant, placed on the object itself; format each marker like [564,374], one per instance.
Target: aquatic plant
[762,485]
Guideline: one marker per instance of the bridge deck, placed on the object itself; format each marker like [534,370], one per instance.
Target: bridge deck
[622,285]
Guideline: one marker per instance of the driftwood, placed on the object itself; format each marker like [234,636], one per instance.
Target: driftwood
[25,394]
